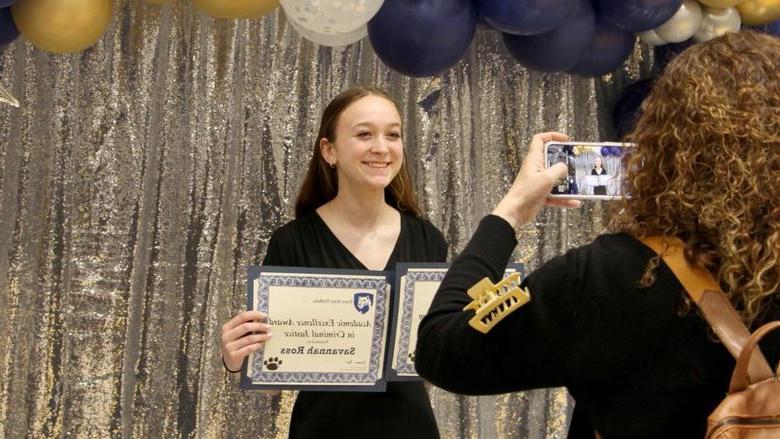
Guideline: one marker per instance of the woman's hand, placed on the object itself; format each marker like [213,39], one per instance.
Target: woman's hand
[241,335]
[533,184]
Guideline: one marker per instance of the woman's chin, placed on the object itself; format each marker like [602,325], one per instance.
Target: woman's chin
[377,182]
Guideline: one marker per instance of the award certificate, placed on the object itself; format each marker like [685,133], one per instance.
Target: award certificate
[329,329]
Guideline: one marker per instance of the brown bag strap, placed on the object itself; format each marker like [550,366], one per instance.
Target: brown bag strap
[740,380]
[702,287]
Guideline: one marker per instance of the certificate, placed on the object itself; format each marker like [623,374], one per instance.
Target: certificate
[329,329]
[416,285]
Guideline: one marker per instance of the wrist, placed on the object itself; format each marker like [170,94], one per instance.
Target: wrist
[225,365]
[509,209]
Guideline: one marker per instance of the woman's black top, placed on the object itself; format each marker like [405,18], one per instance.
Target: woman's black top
[640,362]
[403,411]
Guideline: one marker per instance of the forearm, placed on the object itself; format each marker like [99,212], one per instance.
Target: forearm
[450,353]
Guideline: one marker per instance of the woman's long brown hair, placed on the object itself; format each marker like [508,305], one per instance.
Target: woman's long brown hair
[321,184]
[707,165]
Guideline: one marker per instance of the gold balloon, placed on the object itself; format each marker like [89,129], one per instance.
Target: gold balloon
[235,8]
[758,12]
[720,3]
[62,26]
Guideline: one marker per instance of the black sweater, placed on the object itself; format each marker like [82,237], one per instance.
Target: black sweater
[638,361]
[403,411]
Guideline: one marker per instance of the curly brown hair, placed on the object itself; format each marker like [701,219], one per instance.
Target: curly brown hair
[707,165]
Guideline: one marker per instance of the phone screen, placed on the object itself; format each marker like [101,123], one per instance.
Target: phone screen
[595,169]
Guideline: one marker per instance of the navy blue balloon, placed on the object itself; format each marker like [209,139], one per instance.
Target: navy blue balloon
[8,30]
[607,50]
[524,17]
[627,109]
[7,3]
[637,15]
[605,151]
[422,38]
[772,28]
[559,49]
[667,52]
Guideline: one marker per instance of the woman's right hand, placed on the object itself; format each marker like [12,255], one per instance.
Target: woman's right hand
[241,335]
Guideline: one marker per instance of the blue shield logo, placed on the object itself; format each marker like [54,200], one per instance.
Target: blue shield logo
[362,302]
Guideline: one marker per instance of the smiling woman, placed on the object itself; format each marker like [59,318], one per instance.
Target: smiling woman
[356,209]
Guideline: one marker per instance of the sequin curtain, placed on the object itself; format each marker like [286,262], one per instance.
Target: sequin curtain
[141,176]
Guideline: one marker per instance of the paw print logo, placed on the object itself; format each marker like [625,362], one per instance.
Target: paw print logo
[411,356]
[272,363]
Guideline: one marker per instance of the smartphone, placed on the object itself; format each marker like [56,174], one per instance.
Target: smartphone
[595,169]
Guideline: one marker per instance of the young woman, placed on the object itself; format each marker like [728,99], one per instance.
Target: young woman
[609,320]
[356,210]
[598,170]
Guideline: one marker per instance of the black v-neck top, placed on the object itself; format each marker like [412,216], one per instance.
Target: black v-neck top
[403,411]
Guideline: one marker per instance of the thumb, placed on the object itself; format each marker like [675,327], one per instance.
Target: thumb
[557,172]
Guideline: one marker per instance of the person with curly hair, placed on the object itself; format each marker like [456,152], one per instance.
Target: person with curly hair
[609,320]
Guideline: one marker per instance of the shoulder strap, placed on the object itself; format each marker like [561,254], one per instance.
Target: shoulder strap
[702,287]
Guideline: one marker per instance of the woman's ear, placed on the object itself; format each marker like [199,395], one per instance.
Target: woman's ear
[327,151]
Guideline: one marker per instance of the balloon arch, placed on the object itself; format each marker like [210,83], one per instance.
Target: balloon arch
[422,38]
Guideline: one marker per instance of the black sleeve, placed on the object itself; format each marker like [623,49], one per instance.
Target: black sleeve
[525,350]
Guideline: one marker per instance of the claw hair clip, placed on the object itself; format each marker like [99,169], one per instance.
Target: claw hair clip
[494,302]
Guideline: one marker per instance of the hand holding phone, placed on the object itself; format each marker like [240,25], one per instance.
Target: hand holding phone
[529,192]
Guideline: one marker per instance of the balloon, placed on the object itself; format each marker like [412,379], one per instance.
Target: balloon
[756,12]
[683,24]
[559,49]
[605,151]
[607,50]
[7,3]
[664,54]
[8,30]
[716,22]
[62,26]
[615,150]
[651,38]
[235,8]
[720,3]
[637,15]
[330,40]
[434,34]
[331,17]
[577,150]
[772,28]
[628,108]
[524,17]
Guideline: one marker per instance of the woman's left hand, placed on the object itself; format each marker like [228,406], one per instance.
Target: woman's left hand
[533,184]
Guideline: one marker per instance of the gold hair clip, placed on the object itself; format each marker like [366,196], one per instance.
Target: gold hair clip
[494,302]
[7,97]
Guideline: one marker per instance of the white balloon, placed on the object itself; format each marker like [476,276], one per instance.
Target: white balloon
[651,38]
[331,40]
[331,16]
[716,22]
[683,24]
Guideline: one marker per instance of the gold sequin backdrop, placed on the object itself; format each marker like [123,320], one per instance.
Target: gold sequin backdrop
[141,176]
